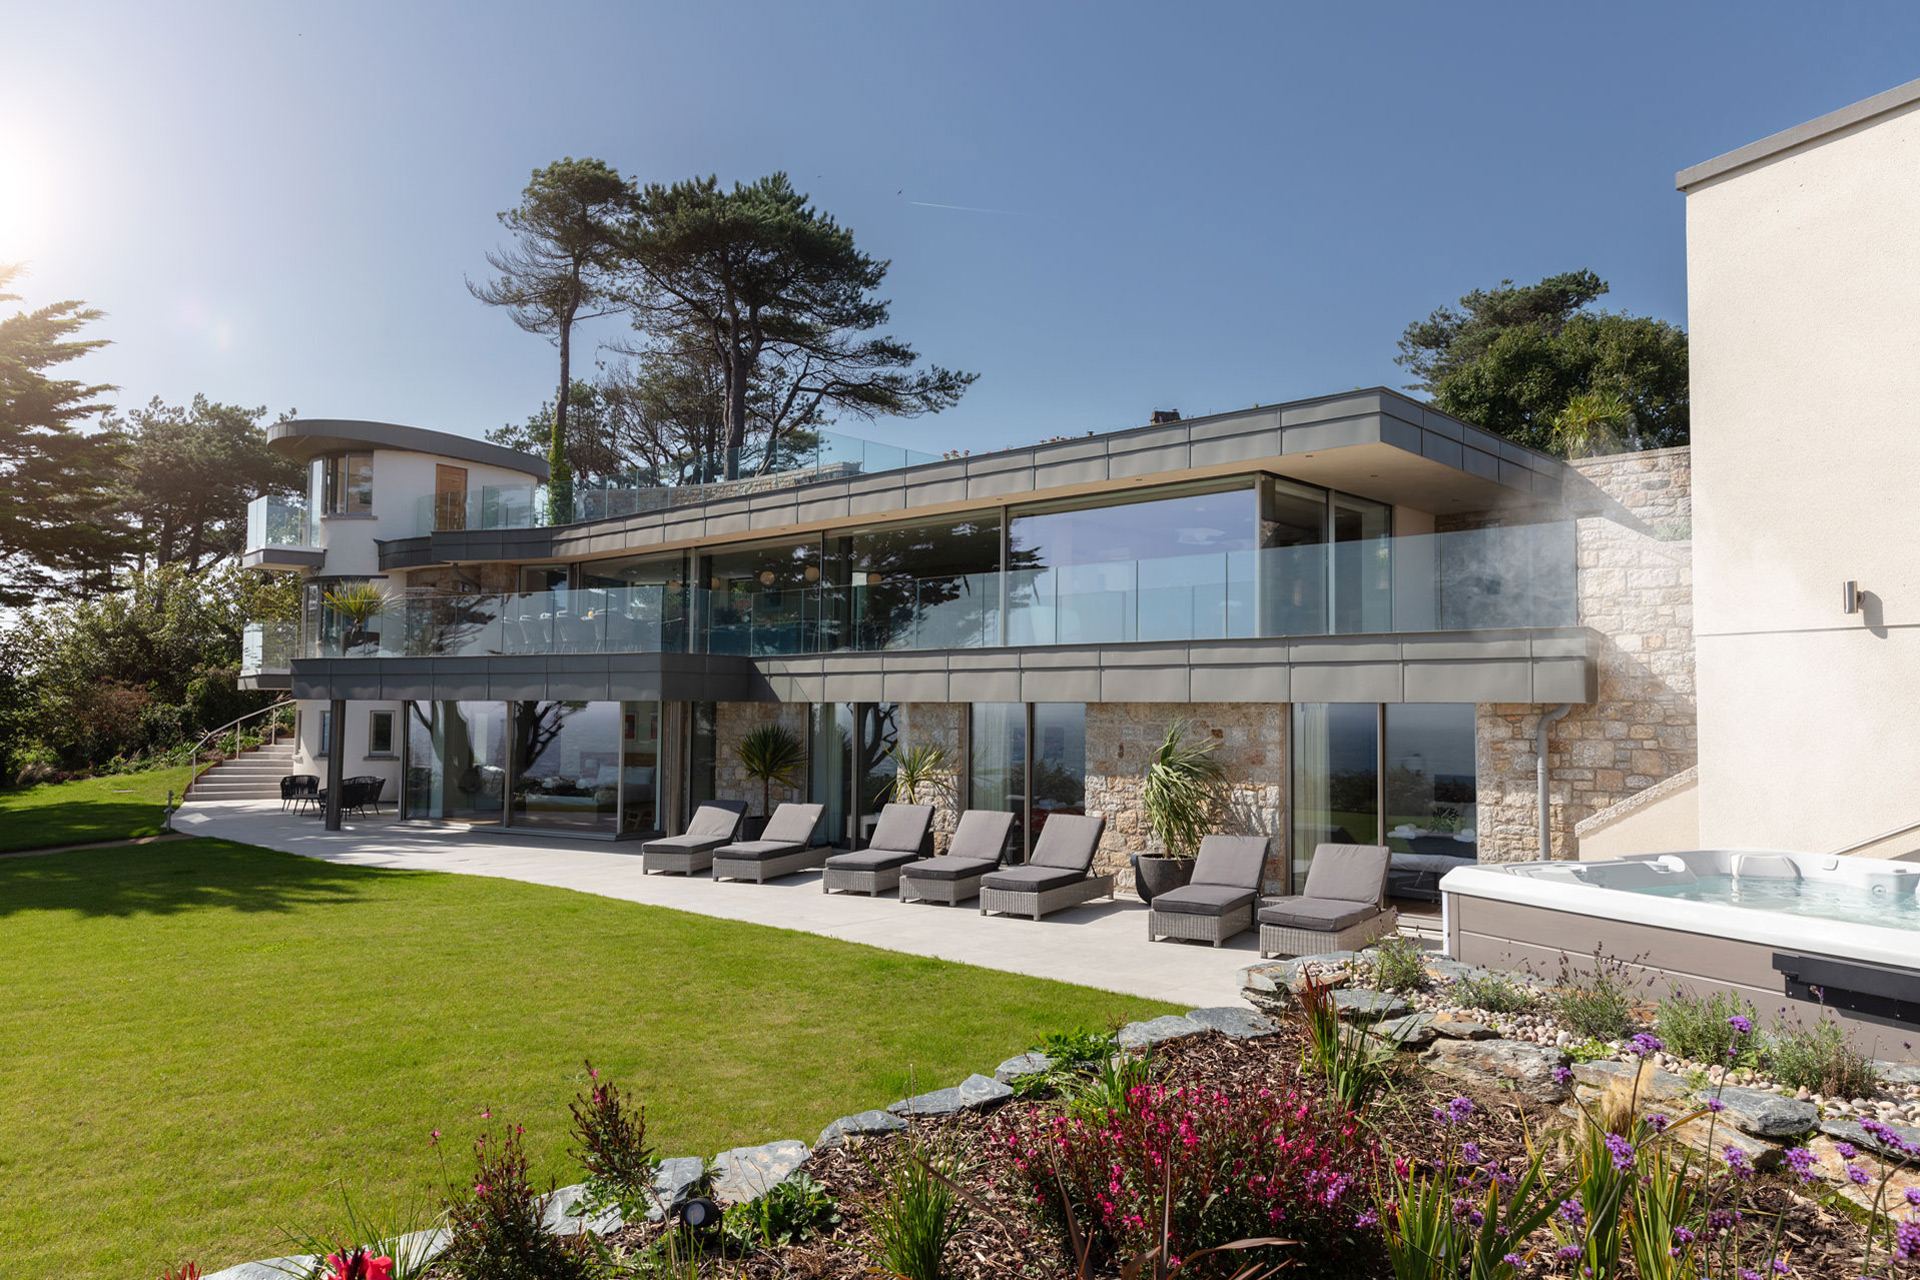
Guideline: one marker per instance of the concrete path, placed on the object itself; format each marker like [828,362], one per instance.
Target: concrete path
[1102,944]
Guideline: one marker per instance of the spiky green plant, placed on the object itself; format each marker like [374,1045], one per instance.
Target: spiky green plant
[772,753]
[358,603]
[921,774]
[1185,786]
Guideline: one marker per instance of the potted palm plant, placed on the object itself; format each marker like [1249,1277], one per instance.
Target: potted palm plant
[1185,788]
[921,774]
[772,753]
[359,605]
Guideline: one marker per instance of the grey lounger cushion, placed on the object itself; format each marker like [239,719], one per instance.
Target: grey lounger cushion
[981,836]
[1032,879]
[791,824]
[871,860]
[1323,915]
[952,868]
[902,828]
[760,850]
[1069,841]
[688,843]
[1238,862]
[714,823]
[1349,873]
[1202,899]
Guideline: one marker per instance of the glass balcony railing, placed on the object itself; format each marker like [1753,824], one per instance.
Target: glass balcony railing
[824,455]
[278,521]
[268,647]
[1479,579]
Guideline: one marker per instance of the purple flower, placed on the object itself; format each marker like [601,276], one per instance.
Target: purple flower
[1881,1133]
[1802,1161]
[1562,1074]
[1913,1197]
[1645,1045]
[1780,1267]
[1738,1164]
[1622,1152]
[1747,1274]
[1683,1235]
[1716,1106]
[1513,1260]
[1470,1152]
[1906,1240]
[1567,1252]
[1659,1123]
[1367,1219]
[1859,1177]
[1574,1214]
[1741,1024]
[1845,1150]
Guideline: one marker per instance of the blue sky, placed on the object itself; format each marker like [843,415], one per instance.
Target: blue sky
[1187,206]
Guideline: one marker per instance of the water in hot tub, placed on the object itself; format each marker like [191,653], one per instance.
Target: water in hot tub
[1826,899]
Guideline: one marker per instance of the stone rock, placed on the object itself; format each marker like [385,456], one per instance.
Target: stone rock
[973,1092]
[1448,970]
[1024,1064]
[1850,1131]
[1834,1169]
[673,1184]
[1236,1022]
[268,1269]
[865,1124]
[1760,1153]
[1897,1072]
[1357,1003]
[1136,1036]
[1458,1026]
[744,1174]
[1656,1086]
[1501,1064]
[1767,1115]
[417,1248]
[1267,978]
[1415,1031]
[563,1218]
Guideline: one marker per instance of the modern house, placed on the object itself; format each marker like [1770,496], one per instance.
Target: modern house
[1372,607]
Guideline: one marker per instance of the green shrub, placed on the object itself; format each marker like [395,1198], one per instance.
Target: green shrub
[1113,1078]
[1492,993]
[613,1147]
[1701,1028]
[1398,964]
[1596,1003]
[1818,1059]
[918,1213]
[1077,1048]
[788,1214]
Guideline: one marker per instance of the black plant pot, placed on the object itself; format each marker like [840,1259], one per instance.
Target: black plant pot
[1154,876]
[752,825]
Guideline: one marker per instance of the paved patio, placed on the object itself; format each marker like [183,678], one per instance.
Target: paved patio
[1102,944]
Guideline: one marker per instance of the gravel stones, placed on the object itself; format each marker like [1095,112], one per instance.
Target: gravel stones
[1501,1064]
[863,1124]
[975,1091]
[1236,1022]
[745,1174]
[1136,1036]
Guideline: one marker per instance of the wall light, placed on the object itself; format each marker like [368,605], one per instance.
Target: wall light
[766,577]
[1850,596]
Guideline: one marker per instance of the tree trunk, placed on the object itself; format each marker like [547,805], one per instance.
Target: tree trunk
[736,421]
[560,475]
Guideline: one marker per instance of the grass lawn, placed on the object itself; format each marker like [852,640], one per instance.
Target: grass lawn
[198,1038]
[111,808]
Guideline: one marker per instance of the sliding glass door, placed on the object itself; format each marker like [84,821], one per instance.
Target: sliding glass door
[1032,785]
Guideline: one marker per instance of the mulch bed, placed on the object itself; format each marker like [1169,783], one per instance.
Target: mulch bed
[1002,1241]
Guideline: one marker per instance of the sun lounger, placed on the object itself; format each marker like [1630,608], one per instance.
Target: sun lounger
[901,836]
[1344,907]
[1218,901]
[1057,874]
[978,841]
[786,846]
[714,824]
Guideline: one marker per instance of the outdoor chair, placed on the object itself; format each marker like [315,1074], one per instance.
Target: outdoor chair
[1217,903]
[368,794]
[1343,909]
[353,797]
[973,852]
[714,824]
[1056,876]
[298,791]
[786,846]
[903,835]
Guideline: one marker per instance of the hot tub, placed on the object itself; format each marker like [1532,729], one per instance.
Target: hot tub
[1792,930]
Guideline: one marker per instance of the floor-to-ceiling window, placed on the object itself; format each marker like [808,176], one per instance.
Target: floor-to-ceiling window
[1336,778]
[640,768]
[456,767]
[876,734]
[922,586]
[1293,559]
[642,604]
[1400,775]
[850,766]
[566,766]
[764,599]
[1362,566]
[1029,759]
[703,753]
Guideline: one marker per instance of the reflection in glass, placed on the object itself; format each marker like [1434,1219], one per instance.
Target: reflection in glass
[923,586]
[1362,566]
[1293,568]
[997,766]
[566,773]
[830,769]
[1430,784]
[764,599]
[873,764]
[703,754]
[456,761]
[640,768]
[1059,761]
[1335,778]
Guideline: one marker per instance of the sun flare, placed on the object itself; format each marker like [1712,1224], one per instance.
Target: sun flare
[26,196]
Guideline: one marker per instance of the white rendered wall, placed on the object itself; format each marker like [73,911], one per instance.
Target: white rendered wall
[1803,276]
[400,480]
[357,763]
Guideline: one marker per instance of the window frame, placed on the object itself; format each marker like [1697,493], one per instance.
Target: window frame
[373,753]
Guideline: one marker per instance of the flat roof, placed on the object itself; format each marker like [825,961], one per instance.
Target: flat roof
[304,438]
[1801,135]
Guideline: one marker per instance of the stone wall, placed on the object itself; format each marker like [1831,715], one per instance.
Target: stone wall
[734,721]
[943,725]
[1253,747]
[1633,513]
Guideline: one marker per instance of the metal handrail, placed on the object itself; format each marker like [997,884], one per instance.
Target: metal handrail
[193,761]
[1884,835]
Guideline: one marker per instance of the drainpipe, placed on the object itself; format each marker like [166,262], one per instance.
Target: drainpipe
[1540,775]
